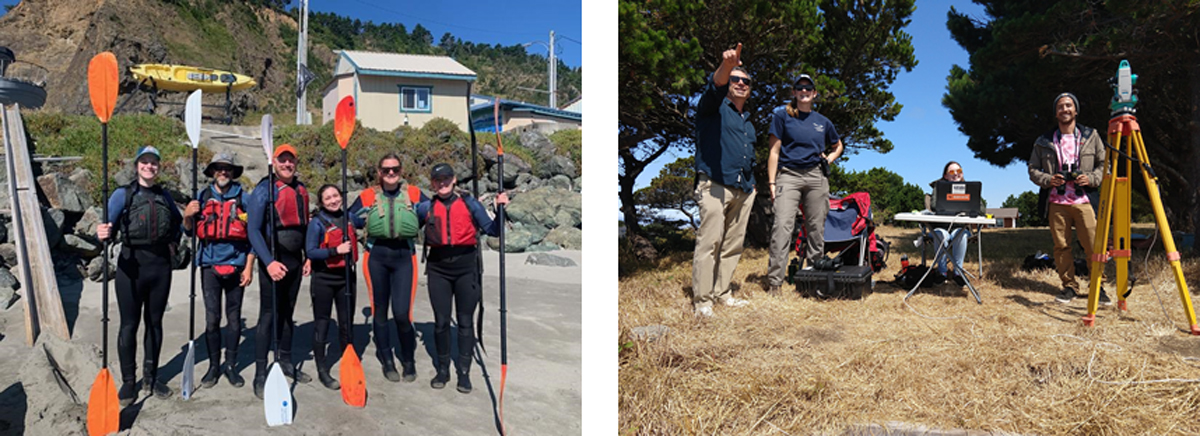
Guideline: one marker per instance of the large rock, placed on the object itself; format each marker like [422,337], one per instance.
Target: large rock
[53,220]
[8,251]
[124,176]
[546,259]
[527,182]
[88,222]
[566,237]
[85,246]
[579,184]
[183,166]
[62,193]
[539,144]
[560,181]
[8,280]
[513,166]
[547,207]
[94,268]
[557,165]
[516,240]
[82,178]
[7,297]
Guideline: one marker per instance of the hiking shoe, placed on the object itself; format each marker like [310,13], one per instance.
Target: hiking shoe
[328,380]
[704,312]
[464,383]
[736,302]
[1104,301]
[1066,296]
[210,379]
[959,280]
[443,376]
[127,393]
[410,370]
[389,371]
[234,379]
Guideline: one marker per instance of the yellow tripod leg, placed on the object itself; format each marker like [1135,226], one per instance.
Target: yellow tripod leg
[1122,230]
[1168,240]
[1103,224]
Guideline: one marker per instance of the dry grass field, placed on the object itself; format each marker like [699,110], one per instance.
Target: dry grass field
[1020,363]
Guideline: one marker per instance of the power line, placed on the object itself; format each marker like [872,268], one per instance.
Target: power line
[443,23]
[570,39]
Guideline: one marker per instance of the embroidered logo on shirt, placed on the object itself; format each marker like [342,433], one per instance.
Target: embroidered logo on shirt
[820,128]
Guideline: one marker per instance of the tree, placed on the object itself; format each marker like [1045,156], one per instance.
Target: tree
[669,47]
[673,189]
[1027,206]
[889,193]
[1028,52]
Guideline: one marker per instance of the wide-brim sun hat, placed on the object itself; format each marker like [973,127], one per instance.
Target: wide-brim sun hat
[227,159]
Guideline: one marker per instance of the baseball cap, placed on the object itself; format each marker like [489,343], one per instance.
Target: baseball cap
[147,149]
[285,148]
[441,170]
[804,77]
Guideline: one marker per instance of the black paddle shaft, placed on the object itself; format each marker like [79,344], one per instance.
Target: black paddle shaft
[271,242]
[503,305]
[104,263]
[349,256]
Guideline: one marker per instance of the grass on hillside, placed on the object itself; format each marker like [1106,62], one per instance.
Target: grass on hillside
[1019,363]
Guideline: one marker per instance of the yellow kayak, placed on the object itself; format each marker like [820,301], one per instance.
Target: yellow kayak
[184,78]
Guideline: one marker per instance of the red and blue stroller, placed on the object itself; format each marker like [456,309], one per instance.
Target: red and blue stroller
[850,232]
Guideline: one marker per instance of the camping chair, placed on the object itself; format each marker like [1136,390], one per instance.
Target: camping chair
[849,231]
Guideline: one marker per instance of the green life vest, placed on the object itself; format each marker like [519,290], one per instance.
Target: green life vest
[392,217]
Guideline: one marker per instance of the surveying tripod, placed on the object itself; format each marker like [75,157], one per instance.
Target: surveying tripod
[1125,139]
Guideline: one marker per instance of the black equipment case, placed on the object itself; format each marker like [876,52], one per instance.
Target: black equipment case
[849,282]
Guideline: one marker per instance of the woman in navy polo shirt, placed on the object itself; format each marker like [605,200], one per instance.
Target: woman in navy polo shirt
[798,171]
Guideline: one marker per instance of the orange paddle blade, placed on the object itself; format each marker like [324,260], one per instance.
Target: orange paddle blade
[354,387]
[367,270]
[102,84]
[503,376]
[104,412]
[343,121]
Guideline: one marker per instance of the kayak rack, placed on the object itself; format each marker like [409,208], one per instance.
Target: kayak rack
[39,285]
[153,92]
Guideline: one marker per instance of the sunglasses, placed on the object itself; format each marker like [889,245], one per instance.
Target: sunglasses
[805,88]
[389,170]
[955,172]
[739,79]
[222,169]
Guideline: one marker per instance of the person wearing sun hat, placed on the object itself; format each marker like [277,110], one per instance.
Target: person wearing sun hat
[144,217]
[451,220]
[281,264]
[218,218]
[803,144]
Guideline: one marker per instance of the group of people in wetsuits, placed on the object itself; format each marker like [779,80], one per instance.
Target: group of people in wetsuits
[276,229]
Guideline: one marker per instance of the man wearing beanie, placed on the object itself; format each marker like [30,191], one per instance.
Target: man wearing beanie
[1068,164]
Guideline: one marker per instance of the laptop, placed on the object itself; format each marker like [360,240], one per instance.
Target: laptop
[955,198]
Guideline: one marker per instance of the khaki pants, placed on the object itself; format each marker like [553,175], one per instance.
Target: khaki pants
[1062,217]
[792,187]
[724,212]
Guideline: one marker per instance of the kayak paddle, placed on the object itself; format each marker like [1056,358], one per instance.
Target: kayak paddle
[354,386]
[104,413]
[503,307]
[277,395]
[191,118]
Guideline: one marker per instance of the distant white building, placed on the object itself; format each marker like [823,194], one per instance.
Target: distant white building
[515,114]
[393,89]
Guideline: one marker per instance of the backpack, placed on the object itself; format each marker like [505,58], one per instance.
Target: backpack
[220,220]
[390,219]
[147,220]
[910,275]
[333,237]
[879,255]
[449,225]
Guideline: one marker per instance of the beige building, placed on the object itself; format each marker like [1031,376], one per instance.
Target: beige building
[392,90]
[514,114]
[1005,216]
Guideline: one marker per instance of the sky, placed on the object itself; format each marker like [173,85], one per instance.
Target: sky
[480,21]
[924,135]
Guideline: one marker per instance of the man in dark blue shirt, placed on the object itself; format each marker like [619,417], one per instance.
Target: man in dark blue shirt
[725,182]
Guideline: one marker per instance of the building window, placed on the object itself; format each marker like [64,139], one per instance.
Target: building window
[416,99]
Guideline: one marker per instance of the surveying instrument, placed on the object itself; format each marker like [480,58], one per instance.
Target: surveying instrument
[1125,143]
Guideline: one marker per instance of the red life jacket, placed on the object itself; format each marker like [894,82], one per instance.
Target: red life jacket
[291,205]
[220,220]
[333,238]
[449,225]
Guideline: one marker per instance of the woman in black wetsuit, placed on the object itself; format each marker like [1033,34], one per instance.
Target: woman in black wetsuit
[327,254]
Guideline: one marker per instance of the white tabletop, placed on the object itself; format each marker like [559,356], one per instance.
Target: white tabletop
[945,219]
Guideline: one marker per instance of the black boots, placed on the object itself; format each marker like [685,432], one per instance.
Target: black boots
[232,376]
[127,393]
[443,372]
[260,378]
[214,372]
[150,383]
[322,369]
[290,371]
[464,373]
[410,370]
[389,368]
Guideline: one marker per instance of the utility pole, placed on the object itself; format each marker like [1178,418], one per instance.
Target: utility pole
[301,62]
[553,74]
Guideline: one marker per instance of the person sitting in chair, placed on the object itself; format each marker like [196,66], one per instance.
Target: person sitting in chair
[956,249]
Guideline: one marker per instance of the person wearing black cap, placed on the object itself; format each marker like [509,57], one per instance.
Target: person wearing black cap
[223,253]
[283,265]
[798,173]
[390,264]
[1076,152]
[451,221]
[149,225]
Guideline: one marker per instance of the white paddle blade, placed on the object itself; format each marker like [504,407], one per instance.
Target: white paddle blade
[268,140]
[277,398]
[191,117]
[189,372]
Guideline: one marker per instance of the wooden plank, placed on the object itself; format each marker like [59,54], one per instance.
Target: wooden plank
[41,265]
[32,328]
